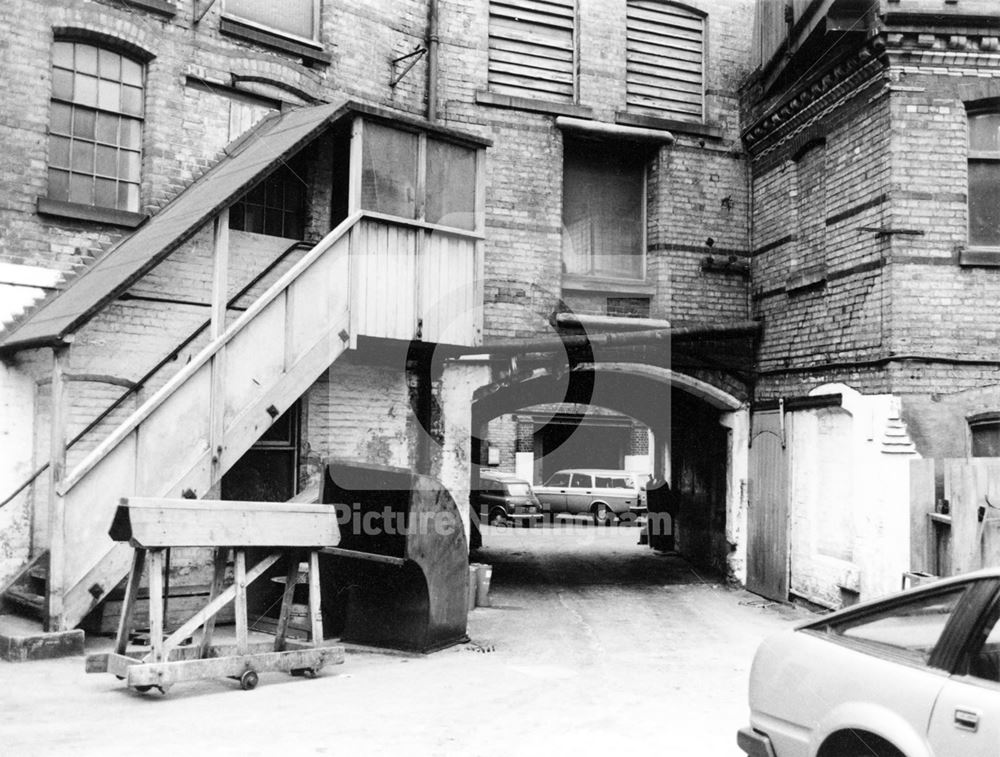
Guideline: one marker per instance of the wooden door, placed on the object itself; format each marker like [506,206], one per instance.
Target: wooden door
[767,515]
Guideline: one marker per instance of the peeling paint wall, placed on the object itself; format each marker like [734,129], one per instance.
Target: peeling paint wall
[17,405]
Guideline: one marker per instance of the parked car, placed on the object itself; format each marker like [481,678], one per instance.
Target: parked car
[603,494]
[916,674]
[504,499]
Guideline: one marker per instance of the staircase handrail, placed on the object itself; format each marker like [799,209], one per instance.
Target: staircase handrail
[138,384]
[177,380]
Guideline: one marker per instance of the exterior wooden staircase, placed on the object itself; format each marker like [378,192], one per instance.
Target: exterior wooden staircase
[182,440]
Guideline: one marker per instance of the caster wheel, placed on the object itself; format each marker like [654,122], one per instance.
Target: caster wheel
[249,680]
[144,689]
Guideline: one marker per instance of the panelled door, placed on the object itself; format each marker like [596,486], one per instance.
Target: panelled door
[767,513]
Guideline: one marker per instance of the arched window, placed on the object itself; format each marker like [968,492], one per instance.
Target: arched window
[95,142]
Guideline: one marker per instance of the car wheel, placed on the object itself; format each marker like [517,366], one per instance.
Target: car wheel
[498,517]
[603,516]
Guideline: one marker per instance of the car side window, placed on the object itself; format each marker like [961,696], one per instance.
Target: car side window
[620,483]
[911,629]
[603,482]
[558,479]
[580,481]
[982,658]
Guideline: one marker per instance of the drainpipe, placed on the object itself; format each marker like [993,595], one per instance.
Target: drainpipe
[432,61]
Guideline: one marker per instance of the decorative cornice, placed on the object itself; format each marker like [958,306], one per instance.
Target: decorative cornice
[815,93]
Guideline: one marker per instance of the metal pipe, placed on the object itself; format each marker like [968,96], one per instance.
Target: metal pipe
[432,60]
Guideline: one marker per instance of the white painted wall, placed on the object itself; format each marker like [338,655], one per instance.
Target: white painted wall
[17,405]
[849,519]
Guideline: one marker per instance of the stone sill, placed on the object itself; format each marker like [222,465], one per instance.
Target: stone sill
[156,6]
[308,53]
[80,212]
[984,257]
[600,284]
[698,129]
[534,106]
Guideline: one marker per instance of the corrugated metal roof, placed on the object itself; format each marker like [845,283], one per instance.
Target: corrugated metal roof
[118,269]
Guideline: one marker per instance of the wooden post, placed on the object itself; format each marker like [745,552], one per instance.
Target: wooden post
[315,610]
[240,584]
[54,619]
[220,287]
[156,604]
[287,598]
[131,595]
[218,577]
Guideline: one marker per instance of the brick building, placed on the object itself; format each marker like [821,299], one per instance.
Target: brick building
[871,133]
[235,242]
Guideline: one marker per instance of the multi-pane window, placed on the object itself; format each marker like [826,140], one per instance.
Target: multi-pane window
[984,179]
[96,127]
[665,59]
[275,207]
[603,211]
[533,49]
[443,193]
[298,18]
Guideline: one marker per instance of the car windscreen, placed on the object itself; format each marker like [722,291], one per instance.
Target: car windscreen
[518,490]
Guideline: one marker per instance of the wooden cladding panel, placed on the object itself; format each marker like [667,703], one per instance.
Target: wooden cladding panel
[666,59]
[532,48]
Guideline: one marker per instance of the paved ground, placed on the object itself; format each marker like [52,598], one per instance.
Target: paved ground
[593,646]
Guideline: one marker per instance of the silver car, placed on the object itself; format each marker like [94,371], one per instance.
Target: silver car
[916,674]
[604,494]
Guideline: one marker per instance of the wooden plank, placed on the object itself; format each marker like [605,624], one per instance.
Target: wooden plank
[959,485]
[168,673]
[162,522]
[526,69]
[522,85]
[287,597]
[155,579]
[557,57]
[315,609]
[533,35]
[240,585]
[128,605]
[564,8]
[922,501]
[219,559]
[57,579]
[370,556]
[529,18]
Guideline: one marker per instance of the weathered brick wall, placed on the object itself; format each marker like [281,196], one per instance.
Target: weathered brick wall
[819,197]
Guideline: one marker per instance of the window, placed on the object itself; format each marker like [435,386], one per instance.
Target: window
[984,180]
[985,432]
[558,479]
[982,657]
[297,18]
[603,211]
[665,59]
[95,134]
[391,177]
[580,481]
[910,630]
[275,207]
[533,49]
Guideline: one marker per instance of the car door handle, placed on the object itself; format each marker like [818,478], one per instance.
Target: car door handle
[967,720]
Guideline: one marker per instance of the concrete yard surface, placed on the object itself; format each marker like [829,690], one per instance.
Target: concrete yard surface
[592,645]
